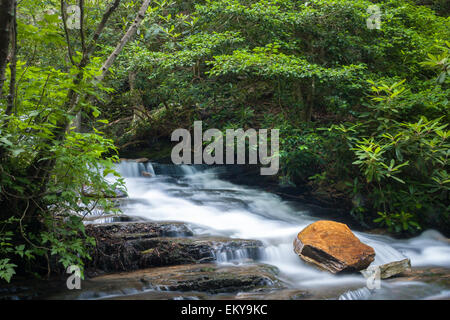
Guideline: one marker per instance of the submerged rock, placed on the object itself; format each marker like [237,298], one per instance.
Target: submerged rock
[333,246]
[275,294]
[388,270]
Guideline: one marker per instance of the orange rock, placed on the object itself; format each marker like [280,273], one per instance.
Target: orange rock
[333,246]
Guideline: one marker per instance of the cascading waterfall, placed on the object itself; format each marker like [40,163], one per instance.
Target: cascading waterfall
[238,255]
[132,169]
[195,195]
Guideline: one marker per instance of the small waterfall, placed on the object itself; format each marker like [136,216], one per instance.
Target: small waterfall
[228,255]
[132,169]
[149,168]
[188,170]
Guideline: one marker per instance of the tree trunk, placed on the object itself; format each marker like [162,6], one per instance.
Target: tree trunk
[136,98]
[298,96]
[108,63]
[6,21]
[130,33]
[78,121]
[13,64]
[309,102]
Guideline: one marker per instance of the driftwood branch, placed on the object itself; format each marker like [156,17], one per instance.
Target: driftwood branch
[117,121]
[13,64]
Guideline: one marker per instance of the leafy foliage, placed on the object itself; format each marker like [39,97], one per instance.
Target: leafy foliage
[350,124]
[403,164]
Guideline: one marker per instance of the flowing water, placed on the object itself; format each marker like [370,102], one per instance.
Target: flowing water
[213,206]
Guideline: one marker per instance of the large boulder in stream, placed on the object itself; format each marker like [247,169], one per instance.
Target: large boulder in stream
[138,245]
[332,246]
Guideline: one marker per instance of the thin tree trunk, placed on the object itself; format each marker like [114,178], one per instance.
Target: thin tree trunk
[113,6]
[6,19]
[309,102]
[109,62]
[298,95]
[136,98]
[112,58]
[130,33]
[13,64]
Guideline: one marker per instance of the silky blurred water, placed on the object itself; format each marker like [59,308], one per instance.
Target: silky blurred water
[213,206]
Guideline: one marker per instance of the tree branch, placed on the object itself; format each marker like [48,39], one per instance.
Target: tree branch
[66,31]
[83,42]
[130,33]
[132,143]
[41,168]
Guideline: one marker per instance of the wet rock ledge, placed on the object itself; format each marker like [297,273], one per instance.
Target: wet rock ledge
[166,281]
[157,260]
[138,245]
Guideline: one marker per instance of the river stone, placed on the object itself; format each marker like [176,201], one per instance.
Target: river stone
[204,281]
[332,246]
[389,269]
[137,230]
[439,276]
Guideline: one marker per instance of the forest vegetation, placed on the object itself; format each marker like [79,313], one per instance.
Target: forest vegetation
[363,113]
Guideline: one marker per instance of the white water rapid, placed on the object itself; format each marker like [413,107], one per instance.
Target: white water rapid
[212,206]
